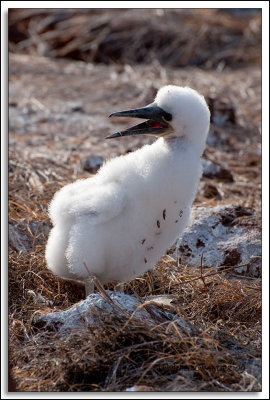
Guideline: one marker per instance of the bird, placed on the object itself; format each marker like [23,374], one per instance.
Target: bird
[117,224]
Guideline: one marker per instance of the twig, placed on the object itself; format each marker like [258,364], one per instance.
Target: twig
[201,269]
[102,290]
[218,272]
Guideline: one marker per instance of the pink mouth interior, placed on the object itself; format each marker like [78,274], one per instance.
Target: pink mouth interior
[154,124]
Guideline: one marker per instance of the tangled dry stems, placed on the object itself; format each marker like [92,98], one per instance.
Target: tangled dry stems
[176,37]
[113,353]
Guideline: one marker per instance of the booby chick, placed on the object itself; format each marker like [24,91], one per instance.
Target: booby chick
[117,224]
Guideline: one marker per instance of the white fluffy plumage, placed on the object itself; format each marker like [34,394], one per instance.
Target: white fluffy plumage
[121,221]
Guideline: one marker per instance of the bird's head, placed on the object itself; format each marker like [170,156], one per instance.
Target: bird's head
[176,112]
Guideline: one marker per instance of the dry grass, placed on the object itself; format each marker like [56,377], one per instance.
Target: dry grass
[221,353]
[177,37]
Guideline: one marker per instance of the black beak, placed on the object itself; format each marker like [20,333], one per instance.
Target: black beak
[157,121]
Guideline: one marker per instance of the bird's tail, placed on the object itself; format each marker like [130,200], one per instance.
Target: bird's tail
[56,250]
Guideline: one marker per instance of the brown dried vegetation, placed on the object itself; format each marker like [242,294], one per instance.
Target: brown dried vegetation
[177,38]
[221,353]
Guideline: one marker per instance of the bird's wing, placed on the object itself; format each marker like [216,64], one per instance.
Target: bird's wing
[100,204]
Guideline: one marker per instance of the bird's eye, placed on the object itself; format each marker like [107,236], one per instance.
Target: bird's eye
[167,117]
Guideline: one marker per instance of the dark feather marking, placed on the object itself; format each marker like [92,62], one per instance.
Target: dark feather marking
[158,224]
[164,214]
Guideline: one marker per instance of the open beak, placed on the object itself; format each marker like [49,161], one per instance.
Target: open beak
[157,123]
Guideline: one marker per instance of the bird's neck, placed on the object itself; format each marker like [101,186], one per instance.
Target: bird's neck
[175,142]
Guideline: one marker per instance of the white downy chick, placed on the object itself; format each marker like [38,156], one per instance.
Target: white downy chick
[117,224]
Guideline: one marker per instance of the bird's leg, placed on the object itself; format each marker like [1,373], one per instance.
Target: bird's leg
[89,286]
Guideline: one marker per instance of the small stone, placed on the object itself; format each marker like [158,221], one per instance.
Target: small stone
[222,111]
[92,164]
[77,108]
[215,171]
[209,191]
